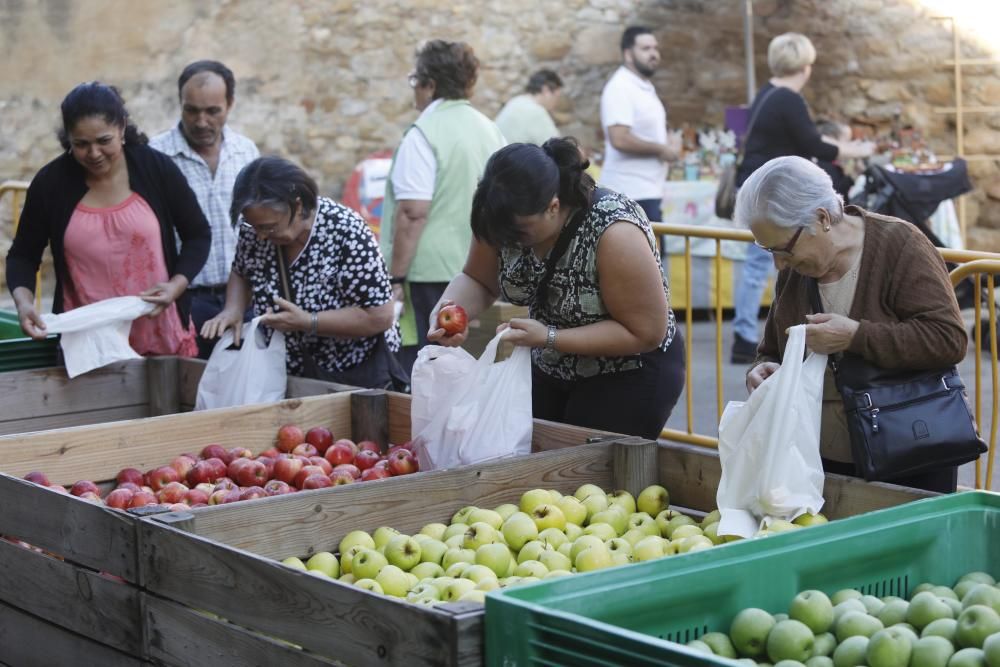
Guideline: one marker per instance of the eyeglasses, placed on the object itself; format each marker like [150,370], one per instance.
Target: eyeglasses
[786,251]
[266,231]
[413,79]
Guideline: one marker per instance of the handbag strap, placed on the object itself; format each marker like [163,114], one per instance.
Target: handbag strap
[753,120]
[817,307]
[286,284]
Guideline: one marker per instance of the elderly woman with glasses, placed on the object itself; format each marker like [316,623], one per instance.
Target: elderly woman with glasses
[883,287]
[311,267]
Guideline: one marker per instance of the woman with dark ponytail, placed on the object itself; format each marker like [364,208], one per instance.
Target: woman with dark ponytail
[606,352]
[110,207]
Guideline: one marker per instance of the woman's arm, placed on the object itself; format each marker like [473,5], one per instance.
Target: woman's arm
[25,254]
[475,290]
[350,322]
[805,136]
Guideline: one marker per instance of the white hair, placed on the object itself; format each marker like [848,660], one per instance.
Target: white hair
[787,192]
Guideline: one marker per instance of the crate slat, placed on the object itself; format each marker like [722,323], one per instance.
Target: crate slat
[72,419]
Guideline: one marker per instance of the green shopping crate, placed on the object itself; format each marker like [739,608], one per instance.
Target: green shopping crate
[634,615]
[18,352]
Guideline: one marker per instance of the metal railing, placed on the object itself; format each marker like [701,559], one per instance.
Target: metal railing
[971,263]
[18,190]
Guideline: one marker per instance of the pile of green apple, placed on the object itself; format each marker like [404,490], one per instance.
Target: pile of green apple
[937,627]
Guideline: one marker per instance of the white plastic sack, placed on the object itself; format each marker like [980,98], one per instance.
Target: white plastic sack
[96,335]
[255,373]
[769,445]
[466,410]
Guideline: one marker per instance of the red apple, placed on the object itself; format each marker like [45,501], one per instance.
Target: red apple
[131,486]
[38,478]
[129,475]
[277,488]
[183,464]
[253,473]
[92,497]
[174,492]
[453,319]
[365,459]
[162,476]
[375,473]
[198,505]
[289,437]
[58,487]
[271,453]
[339,477]
[224,496]
[306,450]
[382,463]
[252,493]
[218,468]
[213,452]
[286,468]
[268,464]
[304,473]
[84,486]
[402,462]
[226,484]
[178,507]
[206,487]
[349,468]
[119,498]
[237,453]
[141,499]
[322,463]
[203,472]
[233,469]
[196,496]
[316,481]
[340,452]
[369,446]
[320,438]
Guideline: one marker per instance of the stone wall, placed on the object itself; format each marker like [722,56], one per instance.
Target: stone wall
[324,81]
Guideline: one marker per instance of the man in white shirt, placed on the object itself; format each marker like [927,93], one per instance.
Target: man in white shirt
[527,119]
[636,147]
[210,154]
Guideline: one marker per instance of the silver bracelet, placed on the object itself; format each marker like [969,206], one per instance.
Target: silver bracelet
[550,338]
[314,324]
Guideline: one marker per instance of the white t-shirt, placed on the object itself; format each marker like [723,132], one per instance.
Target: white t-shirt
[630,100]
[416,167]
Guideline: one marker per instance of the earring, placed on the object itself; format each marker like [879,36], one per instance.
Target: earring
[827,228]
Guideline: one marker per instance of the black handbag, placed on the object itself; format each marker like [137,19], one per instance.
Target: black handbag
[903,423]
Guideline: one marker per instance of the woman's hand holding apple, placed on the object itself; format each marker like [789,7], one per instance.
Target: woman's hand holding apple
[447,334]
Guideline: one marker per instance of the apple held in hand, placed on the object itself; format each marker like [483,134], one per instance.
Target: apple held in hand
[453,319]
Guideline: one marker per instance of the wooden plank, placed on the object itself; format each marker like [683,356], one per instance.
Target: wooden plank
[48,392]
[72,597]
[302,387]
[183,637]
[635,464]
[163,386]
[547,436]
[99,451]
[305,522]
[28,641]
[71,419]
[83,532]
[399,418]
[328,617]
[189,373]
[370,417]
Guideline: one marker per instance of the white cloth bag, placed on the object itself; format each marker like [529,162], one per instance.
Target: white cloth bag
[96,335]
[466,410]
[769,445]
[255,373]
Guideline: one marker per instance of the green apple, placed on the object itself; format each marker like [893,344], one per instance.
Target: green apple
[403,551]
[872,604]
[824,644]
[367,563]
[699,645]
[509,582]
[455,529]
[681,532]
[991,650]
[573,509]
[856,623]
[818,661]
[347,578]
[968,657]
[711,531]
[531,551]
[462,515]
[565,549]
[853,604]
[595,504]
[583,542]
[790,640]
[632,536]
[715,516]
[851,652]
[926,607]
[648,548]
[347,557]
[675,523]
[943,627]
[931,651]
[531,568]
[618,544]
[780,617]
[426,591]
[441,583]
[963,587]
[806,520]
[456,541]
[907,630]
[749,631]
[457,589]
[434,530]
[494,556]
[485,516]
[814,609]
[921,588]
[556,495]
[356,537]
[893,612]
[533,498]
[473,596]
[479,534]
[652,500]
[975,624]
[889,648]
[623,499]
[983,594]
[511,565]
[427,570]
[603,531]
[506,510]
[547,515]
[620,558]
[553,537]
[981,577]
[593,558]
[554,560]
[382,536]
[782,526]
[488,584]
[614,517]
[720,644]
[789,663]
[944,592]
[452,556]
[478,573]
[294,562]
[586,490]
[370,585]
[844,594]
[573,531]
[555,574]
[325,562]
[518,530]
[432,550]
[455,570]
[689,544]
[320,574]
[644,522]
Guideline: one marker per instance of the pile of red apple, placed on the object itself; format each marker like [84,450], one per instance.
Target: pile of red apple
[297,461]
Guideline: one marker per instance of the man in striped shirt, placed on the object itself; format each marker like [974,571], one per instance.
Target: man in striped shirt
[210,154]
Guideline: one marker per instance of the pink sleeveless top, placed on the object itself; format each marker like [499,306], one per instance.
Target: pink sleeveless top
[117,251]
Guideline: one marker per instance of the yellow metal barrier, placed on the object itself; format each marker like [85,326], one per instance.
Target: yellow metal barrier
[18,190]
[971,263]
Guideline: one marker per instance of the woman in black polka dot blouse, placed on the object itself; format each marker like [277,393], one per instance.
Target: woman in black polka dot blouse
[338,323]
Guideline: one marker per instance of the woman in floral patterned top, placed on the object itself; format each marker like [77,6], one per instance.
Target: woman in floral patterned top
[606,351]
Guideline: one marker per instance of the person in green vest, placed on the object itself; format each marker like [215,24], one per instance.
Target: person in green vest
[428,197]
[527,118]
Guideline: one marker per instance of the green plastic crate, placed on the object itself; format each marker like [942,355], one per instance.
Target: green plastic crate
[18,352]
[633,615]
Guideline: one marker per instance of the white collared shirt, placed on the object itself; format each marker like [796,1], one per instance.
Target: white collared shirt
[415,169]
[214,193]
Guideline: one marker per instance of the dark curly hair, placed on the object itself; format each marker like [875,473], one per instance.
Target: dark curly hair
[452,66]
[520,180]
[96,99]
[274,182]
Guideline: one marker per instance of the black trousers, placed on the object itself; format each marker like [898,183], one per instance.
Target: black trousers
[423,298]
[636,402]
[944,480]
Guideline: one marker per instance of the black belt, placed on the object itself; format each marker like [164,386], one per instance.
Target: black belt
[214,290]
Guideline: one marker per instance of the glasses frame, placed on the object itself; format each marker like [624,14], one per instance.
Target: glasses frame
[266,233]
[413,79]
[785,251]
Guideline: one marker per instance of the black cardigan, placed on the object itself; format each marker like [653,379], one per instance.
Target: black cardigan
[60,185]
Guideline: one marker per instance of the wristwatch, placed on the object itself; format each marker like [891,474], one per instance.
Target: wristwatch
[550,338]
[397,280]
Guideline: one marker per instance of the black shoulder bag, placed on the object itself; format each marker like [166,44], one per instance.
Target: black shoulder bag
[902,423]
[381,370]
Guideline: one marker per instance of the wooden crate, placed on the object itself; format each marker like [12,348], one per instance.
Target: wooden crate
[71,594]
[225,559]
[43,399]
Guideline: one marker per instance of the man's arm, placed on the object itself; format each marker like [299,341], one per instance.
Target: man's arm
[621,137]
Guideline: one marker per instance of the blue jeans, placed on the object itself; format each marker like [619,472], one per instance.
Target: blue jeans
[748,289]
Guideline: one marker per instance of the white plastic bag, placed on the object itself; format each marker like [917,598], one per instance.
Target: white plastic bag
[769,445]
[466,410]
[96,335]
[255,373]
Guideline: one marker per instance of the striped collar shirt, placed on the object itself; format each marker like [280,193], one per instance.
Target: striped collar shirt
[214,192]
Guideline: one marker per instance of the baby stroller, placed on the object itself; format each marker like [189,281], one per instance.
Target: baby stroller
[914,198]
